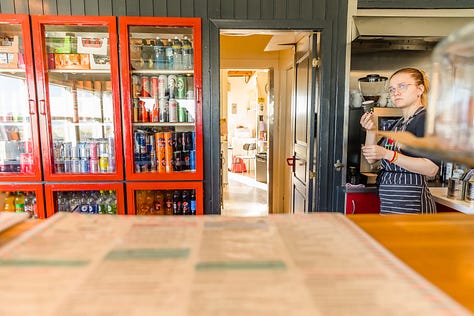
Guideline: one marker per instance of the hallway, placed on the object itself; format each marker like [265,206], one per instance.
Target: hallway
[244,196]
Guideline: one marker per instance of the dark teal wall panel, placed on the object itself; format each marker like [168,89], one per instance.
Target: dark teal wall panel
[91,7]
[240,9]
[146,8]
[119,7]
[77,7]
[293,10]
[227,11]
[132,8]
[21,7]
[187,8]
[160,8]
[64,8]
[253,9]
[105,7]
[280,9]
[267,9]
[174,8]
[50,7]
[7,6]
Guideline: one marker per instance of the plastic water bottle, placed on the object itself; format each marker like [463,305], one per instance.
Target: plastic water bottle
[188,54]
[169,55]
[159,60]
[177,54]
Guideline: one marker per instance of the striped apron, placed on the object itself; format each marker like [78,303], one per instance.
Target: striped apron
[402,191]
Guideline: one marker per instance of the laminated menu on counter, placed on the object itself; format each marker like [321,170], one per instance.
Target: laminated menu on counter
[321,264]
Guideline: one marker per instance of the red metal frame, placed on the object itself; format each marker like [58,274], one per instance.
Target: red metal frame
[131,187]
[55,187]
[38,24]
[33,187]
[24,21]
[195,24]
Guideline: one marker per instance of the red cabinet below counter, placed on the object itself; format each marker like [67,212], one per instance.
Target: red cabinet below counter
[362,203]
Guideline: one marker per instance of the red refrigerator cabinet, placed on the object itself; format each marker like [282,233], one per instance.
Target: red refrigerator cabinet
[19,140]
[161,98]
[77,77]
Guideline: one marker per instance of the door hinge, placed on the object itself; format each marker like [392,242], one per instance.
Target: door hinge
[316,62]
[312,174]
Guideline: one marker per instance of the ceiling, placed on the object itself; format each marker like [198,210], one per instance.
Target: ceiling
[280,40]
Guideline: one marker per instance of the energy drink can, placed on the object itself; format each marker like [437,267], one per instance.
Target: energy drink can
[189,140]
[172,85]
[181,83]
[185,163]
[177,141]
[172,108]
[192,160]
[182,114]
[177,161]
[103,163]
[140,142]
[160,149]
[93,149]
[83,150]
[163,109]
[168,151]
[162,84]
[154,87]
[84,165]
[94,165]
[145,86]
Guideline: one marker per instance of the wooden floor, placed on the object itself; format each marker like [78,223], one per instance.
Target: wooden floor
[244,196]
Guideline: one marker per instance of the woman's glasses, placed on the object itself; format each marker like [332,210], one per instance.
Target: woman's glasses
[400,87]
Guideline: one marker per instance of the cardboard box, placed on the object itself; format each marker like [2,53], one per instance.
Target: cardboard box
[71,61]
[96,46]
[9,60]
[99,61]
[61,45]
[9,44]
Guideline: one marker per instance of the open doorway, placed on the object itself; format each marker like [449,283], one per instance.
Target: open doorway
[258,91]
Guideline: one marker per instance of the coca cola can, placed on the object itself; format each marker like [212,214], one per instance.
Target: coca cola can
[145,87]
[93,149]
[154,87]
[162,84]
[26,163]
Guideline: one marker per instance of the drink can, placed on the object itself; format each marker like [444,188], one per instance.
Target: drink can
[26,163]
[28,146]
[181,83]
[168,151]
[154,87]
[84,165]
[172,85]
[177,161]
[111,167]
[137,162]
[192,160]
[94,165]
[182,114]
[111,146]
[140,142]
[74,152]
[173,108]
[75,165]
[189,140]
[177,141]
[83,150]
[185,163]
[150,143]
[160,151]
[103,163]
[163,109]
[153,164]
[162,84]
[93,149]
[102,148]
[66,149]
[67,165]
[145,86]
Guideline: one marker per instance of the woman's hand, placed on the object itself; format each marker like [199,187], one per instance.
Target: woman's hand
[367,122]
[375,152]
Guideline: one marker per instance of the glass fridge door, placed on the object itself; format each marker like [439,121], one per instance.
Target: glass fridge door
[162,112]
[80,103]
[19,150]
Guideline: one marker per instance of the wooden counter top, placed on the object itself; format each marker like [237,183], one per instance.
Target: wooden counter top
[439,247]
[315,258]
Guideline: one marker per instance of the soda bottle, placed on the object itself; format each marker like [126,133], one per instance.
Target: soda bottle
[92,201]
[63,202]
[168,203]
[192,202]
[169,56]
[9,204]
[177,209]
[177,54]
[185,203]
[148,53]
[159,60]
[30,204]
[84,208]
[150,202]
[111,203]
[101,203]
[19,202]
[159,203]
[75,202]
[188,54]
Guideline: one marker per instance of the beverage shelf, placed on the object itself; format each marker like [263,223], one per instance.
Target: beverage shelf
[170,124]
[164,71]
